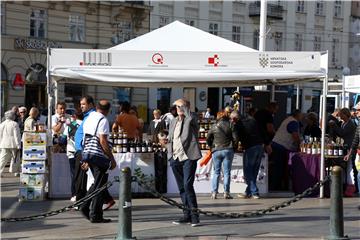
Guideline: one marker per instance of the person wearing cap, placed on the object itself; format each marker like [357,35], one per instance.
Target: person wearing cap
[22,118]
[10,142]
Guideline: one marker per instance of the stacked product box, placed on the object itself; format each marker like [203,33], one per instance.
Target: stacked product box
[33,175]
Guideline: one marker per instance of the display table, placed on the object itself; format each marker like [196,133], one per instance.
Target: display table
[304,171]
[60,179]
[203,176]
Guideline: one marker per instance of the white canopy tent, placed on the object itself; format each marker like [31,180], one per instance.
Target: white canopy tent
[181,55]
[352,83]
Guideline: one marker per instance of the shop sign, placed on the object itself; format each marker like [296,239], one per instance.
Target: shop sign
[18,82]
[36,44]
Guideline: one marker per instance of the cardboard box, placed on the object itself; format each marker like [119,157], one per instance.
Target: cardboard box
[33,167]
[34,153]
[34,139]
[31,194]
[32,180]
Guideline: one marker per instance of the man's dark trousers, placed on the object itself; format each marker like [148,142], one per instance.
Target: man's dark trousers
[94,206]
[184,172]
[80,177]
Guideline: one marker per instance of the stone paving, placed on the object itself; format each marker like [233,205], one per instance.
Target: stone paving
[307,219]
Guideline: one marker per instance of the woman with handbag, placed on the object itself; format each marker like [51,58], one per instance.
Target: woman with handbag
[221,139]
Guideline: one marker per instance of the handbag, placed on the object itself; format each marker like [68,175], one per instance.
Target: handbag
[207,157]
[93,152]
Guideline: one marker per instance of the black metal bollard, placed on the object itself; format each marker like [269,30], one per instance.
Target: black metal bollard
[125,220]
[336,205]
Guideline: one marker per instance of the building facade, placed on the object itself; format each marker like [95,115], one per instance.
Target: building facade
[29,27]
[291,26]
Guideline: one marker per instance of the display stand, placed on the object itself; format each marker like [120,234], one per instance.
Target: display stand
[33,175]
[60,179]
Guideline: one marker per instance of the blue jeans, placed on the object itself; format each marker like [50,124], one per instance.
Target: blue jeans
[219,158]
[184,173]
[252,161]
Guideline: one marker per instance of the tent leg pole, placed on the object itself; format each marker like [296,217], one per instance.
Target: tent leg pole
[297,96]
[273,93]
[323,124]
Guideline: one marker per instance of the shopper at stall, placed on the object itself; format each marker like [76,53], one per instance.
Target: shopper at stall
[207,114]
[286,139]
[71,126]
[10,143]
[354,153]
[87,107]
[134,111]
[127,121]
[156,125]
[98,157]
[312,128]
[252,142]
[30,122]
[347,131]
[183,153]
[221,138]
[265,119]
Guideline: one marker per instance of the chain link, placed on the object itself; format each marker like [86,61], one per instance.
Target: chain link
[64,209]
[257,213]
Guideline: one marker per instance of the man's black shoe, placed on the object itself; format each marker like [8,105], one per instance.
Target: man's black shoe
[102,220]
[182,221]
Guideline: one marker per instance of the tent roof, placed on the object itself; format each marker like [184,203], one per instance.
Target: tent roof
[178,36]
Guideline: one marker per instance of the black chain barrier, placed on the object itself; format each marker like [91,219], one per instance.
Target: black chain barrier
[140,176]
[64,209]
[142,180]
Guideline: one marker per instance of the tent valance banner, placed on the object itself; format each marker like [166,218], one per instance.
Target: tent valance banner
[352,83]
[149,68]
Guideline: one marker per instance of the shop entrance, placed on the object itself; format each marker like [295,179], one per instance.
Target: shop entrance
[35,96]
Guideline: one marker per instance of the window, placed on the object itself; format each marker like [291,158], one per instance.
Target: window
[319,7]
[76,28]
[190,22]
[3,18]
[317,43]
[164,20]
[278,41]
[38,23]
[163,99]
[335,48]
[300,7]
[236,34]
[124,31]
[338,9]
[214,28]
[165,11]
[256,39]
[298,42]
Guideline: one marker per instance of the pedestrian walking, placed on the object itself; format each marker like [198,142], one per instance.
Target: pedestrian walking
[10,143]
[98,157]
[183,153]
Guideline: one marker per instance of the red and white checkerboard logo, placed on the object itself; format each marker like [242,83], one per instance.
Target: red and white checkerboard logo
[214,60]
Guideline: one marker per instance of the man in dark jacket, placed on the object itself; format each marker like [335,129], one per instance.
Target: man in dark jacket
[252,141]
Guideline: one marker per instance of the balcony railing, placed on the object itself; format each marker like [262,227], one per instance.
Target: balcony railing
[273,10]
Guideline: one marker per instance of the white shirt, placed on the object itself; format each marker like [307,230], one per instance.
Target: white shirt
[55,119]
[92,121]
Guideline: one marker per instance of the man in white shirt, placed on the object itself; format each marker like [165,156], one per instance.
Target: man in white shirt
[98,160]
[58,119]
